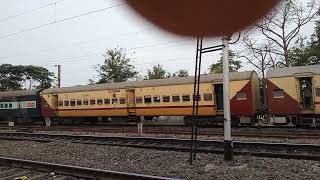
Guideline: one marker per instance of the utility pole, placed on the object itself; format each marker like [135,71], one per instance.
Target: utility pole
[59,75]
[228,143]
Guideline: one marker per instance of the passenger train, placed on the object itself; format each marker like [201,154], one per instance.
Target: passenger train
[144,100]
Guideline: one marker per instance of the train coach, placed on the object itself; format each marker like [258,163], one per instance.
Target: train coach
[294,95]
[20,106]
[152,98]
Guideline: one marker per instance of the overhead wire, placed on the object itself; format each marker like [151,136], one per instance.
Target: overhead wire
[29,11]
[61,20]
[54,61]
[71,44]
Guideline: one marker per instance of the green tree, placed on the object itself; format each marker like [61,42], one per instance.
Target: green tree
[15,77]
[307,53]
[235,65]
[117,67]
[181,73]
[157,72]
[10,78]
[282,27]
[36,77]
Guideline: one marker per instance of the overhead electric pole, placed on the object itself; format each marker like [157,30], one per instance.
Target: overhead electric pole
[228,143]
[59,75]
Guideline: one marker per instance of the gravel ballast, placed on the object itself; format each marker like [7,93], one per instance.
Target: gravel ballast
[160,163]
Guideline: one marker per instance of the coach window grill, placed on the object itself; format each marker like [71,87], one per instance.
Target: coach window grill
[165,98]
[318,91]
[99,101]
[207,97]
[156,99]
[139,100]
[186,98]
[278,93]
[66,103]
[175,98]
[107,101]
[72,102]
[147,99]
[122,100]
[114,101]
[241,96]
[92,102]
[79,102]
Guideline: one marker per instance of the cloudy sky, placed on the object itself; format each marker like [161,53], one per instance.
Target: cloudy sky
[29,35]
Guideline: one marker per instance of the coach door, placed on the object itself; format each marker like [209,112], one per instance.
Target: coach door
[218,89]
[131,105]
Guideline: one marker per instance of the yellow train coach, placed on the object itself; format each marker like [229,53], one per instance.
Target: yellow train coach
[152,98]
[294,95]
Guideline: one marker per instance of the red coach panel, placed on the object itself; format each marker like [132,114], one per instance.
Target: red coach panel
[46,110]
[279,102]
[241,104]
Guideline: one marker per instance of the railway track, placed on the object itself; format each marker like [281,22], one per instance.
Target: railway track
[245,132]
[12,168]
[274,150]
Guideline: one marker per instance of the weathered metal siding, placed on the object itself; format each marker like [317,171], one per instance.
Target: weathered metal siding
[289,103]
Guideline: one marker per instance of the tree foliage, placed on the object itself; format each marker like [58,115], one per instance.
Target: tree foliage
[157,72]
[307,53]
[181,73]
[280,29]
[234,65]
[24,77]
[117,67]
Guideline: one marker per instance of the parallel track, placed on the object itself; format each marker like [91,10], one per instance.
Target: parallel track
[245,132]
[276,150]
[13,168]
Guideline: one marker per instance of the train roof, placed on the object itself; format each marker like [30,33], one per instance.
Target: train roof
[298,71]
[234,76]
[19,93]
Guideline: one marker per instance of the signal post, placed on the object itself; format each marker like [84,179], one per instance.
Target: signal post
[228,143]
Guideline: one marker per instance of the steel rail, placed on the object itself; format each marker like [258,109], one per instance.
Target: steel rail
[292,135]
[76,171]
[278,150]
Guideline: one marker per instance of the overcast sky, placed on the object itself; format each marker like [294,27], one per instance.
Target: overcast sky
[79,44]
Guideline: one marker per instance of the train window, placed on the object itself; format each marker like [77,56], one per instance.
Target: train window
[147,99]
[186,98]
[72,102]
[60,103]
[122,100]
[66,103]
[317,91]
[175,98]
[106,101]
[92,101]
[241,96]
[6,106]
[79,102]
[195,98]
[99,101]
[207,97]
[10,105]
[165,98]
[156,99]
[278,93]
[114,101]
[1,105]
[85,102]
[139,100]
